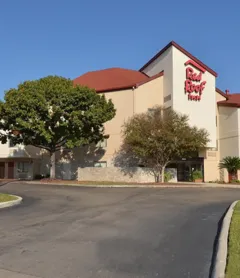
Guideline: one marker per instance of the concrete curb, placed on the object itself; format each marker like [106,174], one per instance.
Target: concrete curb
[181,185]
[220,262]
[11,203]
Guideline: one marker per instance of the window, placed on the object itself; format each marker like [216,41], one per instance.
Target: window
[23,167]
[102,144]
[11,145]
[151,110]
[100,164]
[167,98]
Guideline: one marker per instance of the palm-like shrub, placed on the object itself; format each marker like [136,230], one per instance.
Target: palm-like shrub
[232,165]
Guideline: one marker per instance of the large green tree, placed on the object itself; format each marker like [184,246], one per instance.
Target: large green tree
[51,113]
[158,137]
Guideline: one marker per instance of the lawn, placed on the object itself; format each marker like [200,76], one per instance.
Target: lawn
[233,262]
[6,198]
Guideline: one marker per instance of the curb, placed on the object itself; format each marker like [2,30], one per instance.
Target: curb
[192,185]
[220,262]
[11,203]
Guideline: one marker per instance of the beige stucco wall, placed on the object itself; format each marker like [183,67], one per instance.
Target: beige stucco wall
[212,155]
[163,63]
[229,131]
[148,95]
[229,137]
[218,98]
[124,103]
[211,171]
[221,174]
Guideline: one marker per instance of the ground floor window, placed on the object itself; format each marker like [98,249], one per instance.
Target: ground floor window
[101,164]
[23,167]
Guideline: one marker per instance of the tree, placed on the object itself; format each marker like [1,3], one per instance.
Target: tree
[160,136]
[232,164]
[51,113]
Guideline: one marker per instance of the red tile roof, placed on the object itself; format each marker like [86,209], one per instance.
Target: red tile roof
[113,79]
[232,101]
[172,43]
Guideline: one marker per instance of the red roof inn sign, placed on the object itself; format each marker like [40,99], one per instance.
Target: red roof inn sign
[194,85]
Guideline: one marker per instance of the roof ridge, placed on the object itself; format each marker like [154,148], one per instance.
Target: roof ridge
[180,48]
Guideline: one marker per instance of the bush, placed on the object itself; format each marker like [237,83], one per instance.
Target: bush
[38,177]
[197,175]
[235,181]
[167,176]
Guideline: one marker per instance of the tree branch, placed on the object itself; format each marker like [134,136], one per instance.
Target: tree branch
[42,147]
[61,141]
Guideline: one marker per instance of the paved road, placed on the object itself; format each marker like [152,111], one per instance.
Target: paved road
[101,232]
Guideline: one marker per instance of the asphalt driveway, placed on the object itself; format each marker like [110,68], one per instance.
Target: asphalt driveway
[102,232]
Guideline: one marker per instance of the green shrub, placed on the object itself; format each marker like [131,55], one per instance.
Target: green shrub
[235,181]
[38,177]
[167,176]
[197,175]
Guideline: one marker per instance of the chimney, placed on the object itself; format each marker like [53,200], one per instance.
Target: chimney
[227,92]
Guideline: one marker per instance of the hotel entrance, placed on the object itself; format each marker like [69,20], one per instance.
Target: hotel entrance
[185,168]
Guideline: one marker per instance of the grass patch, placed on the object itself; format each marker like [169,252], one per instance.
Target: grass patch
[233,261]
[6,198]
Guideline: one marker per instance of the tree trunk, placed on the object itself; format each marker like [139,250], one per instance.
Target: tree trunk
[162,174]
[156,176]
[231,177]
[52,166]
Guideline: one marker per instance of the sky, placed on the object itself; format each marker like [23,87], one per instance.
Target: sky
[70,37]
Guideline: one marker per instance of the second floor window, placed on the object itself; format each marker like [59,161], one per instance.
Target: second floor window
[102,144]
[11,145]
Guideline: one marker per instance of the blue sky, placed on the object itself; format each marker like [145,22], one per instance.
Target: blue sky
[70,37]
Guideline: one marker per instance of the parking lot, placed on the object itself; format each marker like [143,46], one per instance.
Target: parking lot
[110,232]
